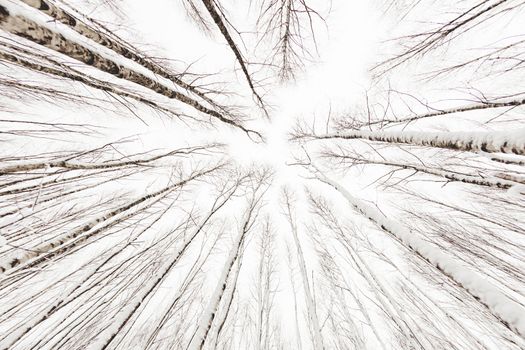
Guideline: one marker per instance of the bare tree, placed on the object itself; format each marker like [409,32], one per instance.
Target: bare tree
[288,204]
[126,221]
[283,22]
[221,294]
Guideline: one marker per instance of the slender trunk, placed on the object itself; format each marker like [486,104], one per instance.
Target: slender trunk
[504,181]
[441,112]
[310,303]
[201,334]
[490,142]
[109,40]
[44,248]
[203,328]
[33,31]
[104,339]
[217,18]
[506,310]
[67,164]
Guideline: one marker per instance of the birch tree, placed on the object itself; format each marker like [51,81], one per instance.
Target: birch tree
[170,177]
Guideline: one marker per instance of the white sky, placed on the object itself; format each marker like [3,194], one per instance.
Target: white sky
[336,81]
[346,47]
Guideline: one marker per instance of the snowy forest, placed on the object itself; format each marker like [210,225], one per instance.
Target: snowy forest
[262,174]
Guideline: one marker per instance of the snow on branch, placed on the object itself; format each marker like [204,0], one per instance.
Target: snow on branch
[21,23]
[509,312]
[489,142]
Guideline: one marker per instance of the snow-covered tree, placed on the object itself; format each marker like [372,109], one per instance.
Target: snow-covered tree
[266,174]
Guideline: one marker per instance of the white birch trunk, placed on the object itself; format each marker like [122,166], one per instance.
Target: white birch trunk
[490,142]
[510,313]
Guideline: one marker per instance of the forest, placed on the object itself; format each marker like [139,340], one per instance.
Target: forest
[262,174]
